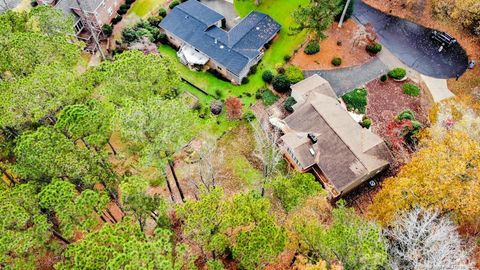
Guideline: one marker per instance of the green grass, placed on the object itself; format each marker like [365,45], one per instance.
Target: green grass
[285,44]
[411,89]
[143,8]
[356,100]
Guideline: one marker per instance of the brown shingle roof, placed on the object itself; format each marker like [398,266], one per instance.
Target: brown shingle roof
[345,152]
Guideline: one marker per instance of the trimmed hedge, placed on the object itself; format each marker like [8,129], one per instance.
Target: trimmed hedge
[294,74]
[336,61]
[366,122]
[268,97]
[374,48]
[289,102]
[356,100]
[117,19]
[173,4]
[267,76]
[281,83]
[312,47]
[411,90]
[162,12]
[397,73]
[107,29]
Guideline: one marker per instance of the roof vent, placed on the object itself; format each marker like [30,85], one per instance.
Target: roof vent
[258,28]
[312,137]
[312,152]
[215,41]
[221,46]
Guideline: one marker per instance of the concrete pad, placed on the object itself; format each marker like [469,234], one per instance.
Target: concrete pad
[438,88]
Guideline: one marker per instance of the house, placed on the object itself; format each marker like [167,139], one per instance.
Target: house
[198,32]
[321,137]
[95,12]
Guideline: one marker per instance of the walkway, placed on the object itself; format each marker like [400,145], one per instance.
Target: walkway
[411,43]
[345,79]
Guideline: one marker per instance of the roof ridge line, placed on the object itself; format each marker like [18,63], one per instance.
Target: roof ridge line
[336,133]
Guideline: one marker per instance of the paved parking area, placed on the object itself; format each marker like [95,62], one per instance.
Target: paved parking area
[411,43]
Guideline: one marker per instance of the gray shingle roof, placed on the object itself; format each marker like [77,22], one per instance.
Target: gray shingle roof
[194,23]
[87,5]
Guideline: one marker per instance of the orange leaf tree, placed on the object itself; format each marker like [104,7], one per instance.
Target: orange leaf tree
[443,175]
[234,107]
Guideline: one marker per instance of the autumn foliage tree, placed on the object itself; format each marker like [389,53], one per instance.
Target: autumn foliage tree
[444,174]
[234,107]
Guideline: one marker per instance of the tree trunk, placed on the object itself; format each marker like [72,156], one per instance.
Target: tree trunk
[111,215]
[85,143]
[60,237]
[111,147]
[172,168]
[9,177]
[172,197]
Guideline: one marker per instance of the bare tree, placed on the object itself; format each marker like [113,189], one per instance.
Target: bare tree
[209,158]
[266,150]
[421,239]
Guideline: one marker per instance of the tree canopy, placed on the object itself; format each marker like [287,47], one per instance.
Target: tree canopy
[318,16]
[46,154]
[443,175]
[125,246]
[356,243]
[242,225]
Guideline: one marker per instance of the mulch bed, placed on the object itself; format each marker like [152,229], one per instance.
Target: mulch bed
[385,100]
[352,49]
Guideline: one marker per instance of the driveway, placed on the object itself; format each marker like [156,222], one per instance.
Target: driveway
[411,43]
[225,8]
[343,80]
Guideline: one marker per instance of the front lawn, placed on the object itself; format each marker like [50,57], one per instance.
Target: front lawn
[283,45]
[143,8]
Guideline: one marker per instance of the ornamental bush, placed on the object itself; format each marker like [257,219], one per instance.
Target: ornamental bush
[411,90]
[288,104]
[123,9]
[162,12]
[155,20]
[397,73]
[173,4]
[356,100]
[281,83]
[116,19]
[249,116]
[312,47]
[374,48]
[267,76]
[336,61]
[383,78]
[294,74]
[107,29]
[366,122]
[268,97]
